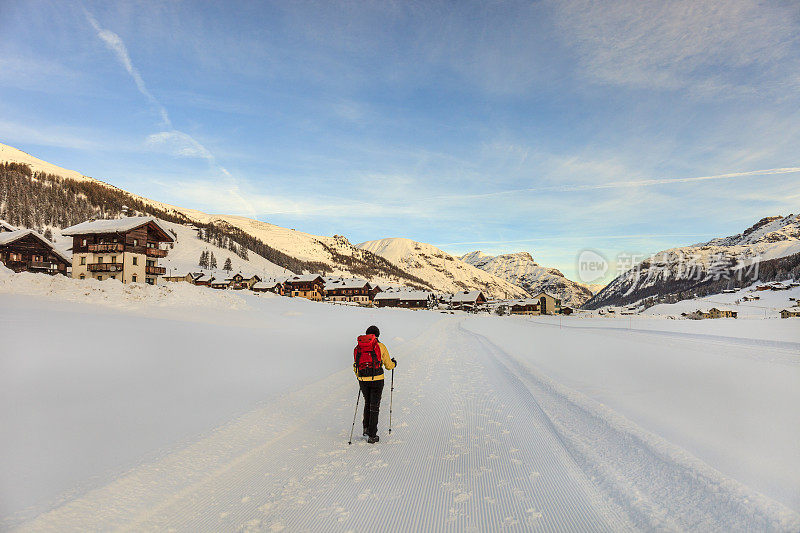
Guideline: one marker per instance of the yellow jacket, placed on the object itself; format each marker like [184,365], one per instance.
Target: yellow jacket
[386,360]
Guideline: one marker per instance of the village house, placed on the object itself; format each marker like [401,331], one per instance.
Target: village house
[26,250]
[195,278]
[406,299]
[310,286]
[127,249]
[791,312]
[348,290]
[220,283]
[467,300]
[243,281]
[524,306]
[714,312]
[548,304]
[273,286]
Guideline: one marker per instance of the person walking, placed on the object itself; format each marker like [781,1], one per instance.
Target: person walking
[370,358]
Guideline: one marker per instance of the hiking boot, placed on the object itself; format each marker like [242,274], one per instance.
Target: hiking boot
[373,440]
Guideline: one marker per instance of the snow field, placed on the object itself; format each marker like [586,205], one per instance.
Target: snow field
[236,412]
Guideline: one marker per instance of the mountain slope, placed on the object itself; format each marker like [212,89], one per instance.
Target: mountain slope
[768,250]
[444,271]
[521,270]
[34,193]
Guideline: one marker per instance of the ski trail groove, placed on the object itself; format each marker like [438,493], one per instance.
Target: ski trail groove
[660,485]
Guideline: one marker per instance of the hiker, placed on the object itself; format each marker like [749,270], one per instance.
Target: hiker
[370,357]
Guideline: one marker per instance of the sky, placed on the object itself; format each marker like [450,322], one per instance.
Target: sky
[548,126]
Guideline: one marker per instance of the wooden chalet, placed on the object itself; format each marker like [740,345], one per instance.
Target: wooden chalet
[310,286]
[524,306]
[272,286]
[220,283]
[26,250]
[243,281]
[405,299]
[348,290]
[467,300]
[791,312]
[195,278]
[127,249]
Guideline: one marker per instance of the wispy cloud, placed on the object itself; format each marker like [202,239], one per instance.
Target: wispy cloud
[174,141]
[624,183]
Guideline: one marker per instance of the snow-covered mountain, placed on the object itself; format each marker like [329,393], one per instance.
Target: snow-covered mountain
[445,272]
[770,249]
[279,248]
[521,270]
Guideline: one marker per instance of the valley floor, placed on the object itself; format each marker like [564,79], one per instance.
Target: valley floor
[237,413]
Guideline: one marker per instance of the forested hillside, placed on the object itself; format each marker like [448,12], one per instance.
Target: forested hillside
[39,200]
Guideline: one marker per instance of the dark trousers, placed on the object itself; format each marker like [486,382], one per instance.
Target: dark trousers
[372,391]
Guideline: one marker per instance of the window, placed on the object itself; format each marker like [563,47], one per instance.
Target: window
[84,242]
[83,276]
[133,278]
[136,242]
[113,258]
[135,261]
[83,259]
[100,259]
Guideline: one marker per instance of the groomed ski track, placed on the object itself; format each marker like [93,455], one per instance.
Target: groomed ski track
[480,442]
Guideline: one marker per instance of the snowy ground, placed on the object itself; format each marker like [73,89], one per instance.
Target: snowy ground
[235,416]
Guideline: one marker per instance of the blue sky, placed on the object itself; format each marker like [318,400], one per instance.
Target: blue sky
[501,126]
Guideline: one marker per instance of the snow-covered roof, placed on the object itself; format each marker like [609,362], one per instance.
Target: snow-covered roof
[266,284]
[403,295]
[305,278]
[117,225]
[7,237]
[338,283]
[466,297]
[5,226]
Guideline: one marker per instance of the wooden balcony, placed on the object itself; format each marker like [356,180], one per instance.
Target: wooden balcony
[156,252]
[105,267]
[43,265]
[105,248]
[155,271]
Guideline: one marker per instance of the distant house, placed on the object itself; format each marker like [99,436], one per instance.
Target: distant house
[220,283]
[714,312]
[26,250]
[524,306]
[272,286]
[348,290]
[467,300]
[549,304]
[243,281]
[751,298]
[310,286]
[195,278]
[405,299]
[791,312]
[566,310]
[127,249]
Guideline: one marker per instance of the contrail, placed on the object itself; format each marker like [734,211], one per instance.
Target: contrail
[623,184]
[181,144]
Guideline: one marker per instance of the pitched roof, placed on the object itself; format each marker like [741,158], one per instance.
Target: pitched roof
[466,297]
[116,225]
[404,295]
[5,226]
[305,278]
[331,284]
[8,237]
[266,284]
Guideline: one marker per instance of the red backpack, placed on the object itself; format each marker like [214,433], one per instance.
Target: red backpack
[367,353]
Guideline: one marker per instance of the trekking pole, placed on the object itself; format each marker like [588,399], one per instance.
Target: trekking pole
[391,397]
[354,416]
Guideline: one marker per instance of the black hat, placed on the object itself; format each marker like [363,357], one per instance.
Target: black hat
[373,330]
